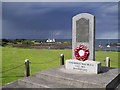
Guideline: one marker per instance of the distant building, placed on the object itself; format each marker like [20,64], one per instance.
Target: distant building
[33,41]
[50,40]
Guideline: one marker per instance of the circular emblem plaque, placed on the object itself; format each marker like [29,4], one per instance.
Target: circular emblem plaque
[81,52]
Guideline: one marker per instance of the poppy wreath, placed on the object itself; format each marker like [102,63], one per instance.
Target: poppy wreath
[81,52]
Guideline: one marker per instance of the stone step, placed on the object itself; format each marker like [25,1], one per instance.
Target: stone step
[59,77]
[12,85]
[33,82]
[78,79]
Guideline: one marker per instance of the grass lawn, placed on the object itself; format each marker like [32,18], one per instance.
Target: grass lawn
[40,59]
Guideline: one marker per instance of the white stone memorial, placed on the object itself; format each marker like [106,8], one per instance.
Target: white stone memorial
[83,32]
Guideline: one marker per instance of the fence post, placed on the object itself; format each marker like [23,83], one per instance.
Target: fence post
[107,62]
[27,70]
[62,59]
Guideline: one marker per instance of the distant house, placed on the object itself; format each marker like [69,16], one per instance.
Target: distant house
[33,41]
[50,40]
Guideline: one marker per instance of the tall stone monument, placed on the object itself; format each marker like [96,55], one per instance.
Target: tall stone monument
[83,35]
[83,32]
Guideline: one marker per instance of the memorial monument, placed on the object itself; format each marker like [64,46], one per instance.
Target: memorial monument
[82,71]
[83,38]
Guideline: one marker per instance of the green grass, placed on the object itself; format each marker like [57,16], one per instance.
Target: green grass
[101,56]
[40,59]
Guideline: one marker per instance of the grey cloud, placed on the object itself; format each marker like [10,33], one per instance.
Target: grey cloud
[43,20]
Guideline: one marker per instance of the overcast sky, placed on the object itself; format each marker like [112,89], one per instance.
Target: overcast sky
[42,20]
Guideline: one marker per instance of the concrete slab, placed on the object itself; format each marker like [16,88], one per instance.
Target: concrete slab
[12,85]
[33,82]
[108,78]
[59,77]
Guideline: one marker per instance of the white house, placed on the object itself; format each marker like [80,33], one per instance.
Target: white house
[50,40]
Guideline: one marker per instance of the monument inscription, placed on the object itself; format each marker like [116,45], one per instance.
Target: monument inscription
[82,30]
[84,66]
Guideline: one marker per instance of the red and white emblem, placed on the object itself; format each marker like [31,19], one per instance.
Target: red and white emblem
[81,52]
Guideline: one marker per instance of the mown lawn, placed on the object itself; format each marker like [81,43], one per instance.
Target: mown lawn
[40,59]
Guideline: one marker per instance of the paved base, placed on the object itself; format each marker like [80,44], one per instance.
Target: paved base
[59,77]
[108,78]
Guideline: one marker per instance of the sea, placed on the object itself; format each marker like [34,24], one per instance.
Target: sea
[103,43]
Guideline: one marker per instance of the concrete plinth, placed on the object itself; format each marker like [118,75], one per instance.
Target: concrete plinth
[108,78]
[59,77]
[83,66]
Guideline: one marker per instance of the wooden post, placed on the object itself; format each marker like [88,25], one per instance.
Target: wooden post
[107,62]
[62,59]
[27,70]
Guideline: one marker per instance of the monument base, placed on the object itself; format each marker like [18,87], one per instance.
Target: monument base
[93,67]
[59,77]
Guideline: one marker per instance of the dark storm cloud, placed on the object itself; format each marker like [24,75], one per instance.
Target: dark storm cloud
[54,20]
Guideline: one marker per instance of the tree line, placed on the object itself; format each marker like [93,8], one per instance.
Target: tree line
[28,43]
[4,42]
